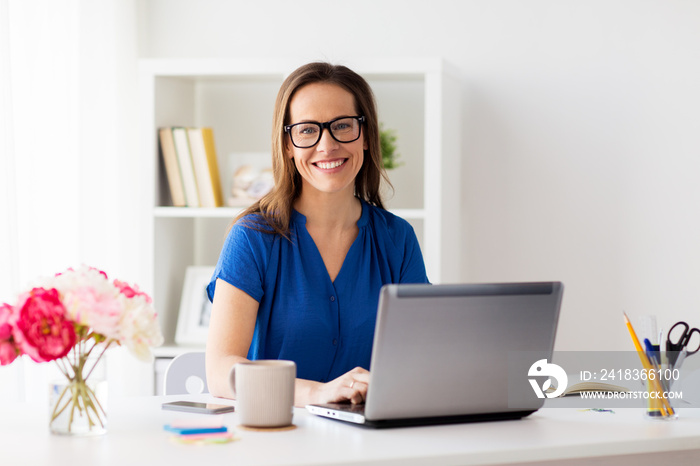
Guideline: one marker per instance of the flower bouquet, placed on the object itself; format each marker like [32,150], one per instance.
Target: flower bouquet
[72,319]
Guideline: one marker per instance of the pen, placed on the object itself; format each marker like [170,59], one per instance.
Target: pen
[653,354]
[666,407]
[652,351]
[648,348]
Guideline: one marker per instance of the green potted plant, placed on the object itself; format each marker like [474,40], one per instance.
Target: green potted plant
[387,139]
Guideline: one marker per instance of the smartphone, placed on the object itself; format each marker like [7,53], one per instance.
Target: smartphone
[194,407]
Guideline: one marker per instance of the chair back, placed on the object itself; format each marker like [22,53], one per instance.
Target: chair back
[186,374]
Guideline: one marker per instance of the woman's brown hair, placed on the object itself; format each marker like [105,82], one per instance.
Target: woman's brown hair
[274,210]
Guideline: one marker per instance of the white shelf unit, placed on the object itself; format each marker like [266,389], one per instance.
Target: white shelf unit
[418,98]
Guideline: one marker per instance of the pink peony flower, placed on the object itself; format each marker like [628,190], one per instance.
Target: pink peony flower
[101,272]
[8,348]
[6,312]
[84,267]
[90,299]
[139,327]
[41,329]
[8,353]
[129,291]
[98,310]
[83,303]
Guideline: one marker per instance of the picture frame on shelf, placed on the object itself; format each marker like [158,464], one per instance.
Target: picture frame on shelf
[195,307]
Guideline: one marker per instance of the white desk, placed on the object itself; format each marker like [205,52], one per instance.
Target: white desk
[136,436]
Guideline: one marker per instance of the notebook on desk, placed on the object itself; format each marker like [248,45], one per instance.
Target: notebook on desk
[445,354]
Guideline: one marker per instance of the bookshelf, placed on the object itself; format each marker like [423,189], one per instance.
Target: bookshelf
[418,98]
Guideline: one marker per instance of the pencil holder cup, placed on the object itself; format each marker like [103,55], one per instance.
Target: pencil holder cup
[659,399]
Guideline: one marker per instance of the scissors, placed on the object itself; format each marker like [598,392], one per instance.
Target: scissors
[675,348]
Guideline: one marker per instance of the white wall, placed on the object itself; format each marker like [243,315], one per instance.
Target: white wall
[582,137]
[67,112]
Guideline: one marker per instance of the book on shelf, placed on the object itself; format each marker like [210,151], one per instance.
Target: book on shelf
[172,168]
[206,167]
[189,182]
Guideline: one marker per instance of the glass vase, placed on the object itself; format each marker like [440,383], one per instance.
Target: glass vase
[78,404]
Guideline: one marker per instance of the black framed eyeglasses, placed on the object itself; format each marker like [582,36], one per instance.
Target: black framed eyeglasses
[308,133]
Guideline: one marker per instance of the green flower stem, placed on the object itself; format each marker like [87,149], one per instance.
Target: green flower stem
[86,404]
[93,396]
[72,411]
[62,366]
[98,357]
[82,398]
[56,412]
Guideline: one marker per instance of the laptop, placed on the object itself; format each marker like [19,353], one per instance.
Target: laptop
[455,353]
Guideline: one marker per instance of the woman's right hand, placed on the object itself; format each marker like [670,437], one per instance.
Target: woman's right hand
[351,386]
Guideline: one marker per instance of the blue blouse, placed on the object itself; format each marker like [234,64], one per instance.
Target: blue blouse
[326,327]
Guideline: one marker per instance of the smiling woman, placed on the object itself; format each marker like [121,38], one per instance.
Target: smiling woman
[354,99]
[328,161]
[299,275]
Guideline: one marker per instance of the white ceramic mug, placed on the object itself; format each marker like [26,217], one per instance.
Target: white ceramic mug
[264,392]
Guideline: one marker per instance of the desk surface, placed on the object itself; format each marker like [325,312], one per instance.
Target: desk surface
[136,436]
